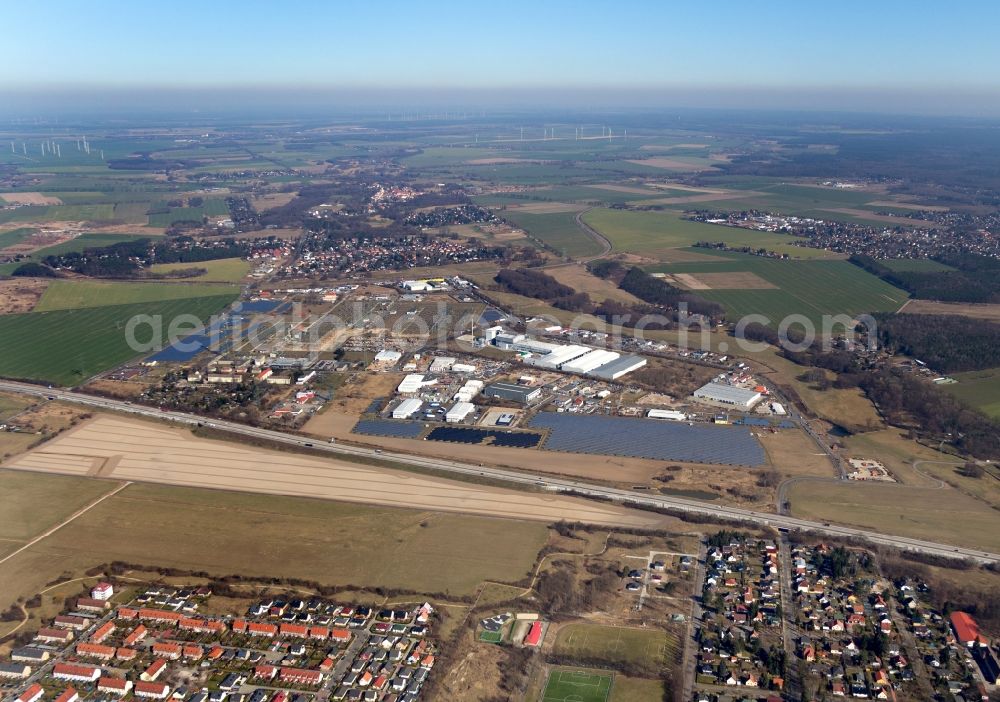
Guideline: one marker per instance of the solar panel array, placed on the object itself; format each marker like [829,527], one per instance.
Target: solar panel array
[649,438]
[395,428]
[468,435]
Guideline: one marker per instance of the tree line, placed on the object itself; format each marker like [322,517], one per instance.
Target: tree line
[976,278]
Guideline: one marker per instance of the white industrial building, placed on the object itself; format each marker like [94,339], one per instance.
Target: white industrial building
[590,361]
[413,383]
[388,356]
[617,368]
[407,408]
[673,415]
[459,411]
[728,395]
[442,364]
[416,285]
[778,409]
[558,356]
[469,390]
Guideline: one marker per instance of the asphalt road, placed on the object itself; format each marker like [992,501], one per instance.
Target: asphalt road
[516,477]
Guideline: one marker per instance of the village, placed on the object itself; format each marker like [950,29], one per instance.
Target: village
[156,645]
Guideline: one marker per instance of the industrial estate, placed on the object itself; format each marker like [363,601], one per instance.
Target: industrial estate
[519,407]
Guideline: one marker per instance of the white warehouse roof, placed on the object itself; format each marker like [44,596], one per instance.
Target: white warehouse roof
[727,394]
[590,361]
[413,382]
[459,411]
[407,408]
[617,368]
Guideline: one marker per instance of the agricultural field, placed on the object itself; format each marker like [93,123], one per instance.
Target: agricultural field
[59,213]
[810,288]
[975,310]
[257,535]
[557,230]
[224,270]
[923,513]
[981,389]
[645,647]
[78,294]
[31,503]
[163,216]
[656,233]
[65,347]
[14,237]
[573,685]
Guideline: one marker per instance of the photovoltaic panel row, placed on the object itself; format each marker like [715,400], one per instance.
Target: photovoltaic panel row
[467,435]
[649,438]
[395,428]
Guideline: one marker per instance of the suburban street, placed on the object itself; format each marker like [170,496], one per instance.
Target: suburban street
[547,482]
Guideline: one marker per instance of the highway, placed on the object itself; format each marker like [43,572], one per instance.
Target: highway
[513,477]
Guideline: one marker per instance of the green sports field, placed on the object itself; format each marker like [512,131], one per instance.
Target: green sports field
[65,347]
[569,685]
[810,288]
[76,294]
[652,648]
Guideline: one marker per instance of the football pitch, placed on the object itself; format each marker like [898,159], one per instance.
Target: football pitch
[565,685]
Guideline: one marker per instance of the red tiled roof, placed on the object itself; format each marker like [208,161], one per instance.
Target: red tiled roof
[86,671]
[91,649]
[534,634]
[966,628]
[31,693]
[151,688]
[68,694]
[159,615]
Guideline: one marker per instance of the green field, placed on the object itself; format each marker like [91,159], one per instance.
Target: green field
[652,648]
[164,216]
[493,637]
[65,347]
[223,270]
[225,532]
[810,288]
[14,236]
[980,389]
[59,213]
[915,265]
[569,685]
[654,233]
[558,230]
[76,294]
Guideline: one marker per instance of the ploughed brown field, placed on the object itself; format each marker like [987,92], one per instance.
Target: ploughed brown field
[127,449]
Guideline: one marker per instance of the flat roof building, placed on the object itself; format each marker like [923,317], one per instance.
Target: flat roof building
[728,395]
[511,392]
[407,408]
[617,368]
[459,411]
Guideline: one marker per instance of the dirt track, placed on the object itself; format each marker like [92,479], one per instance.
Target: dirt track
[124,449]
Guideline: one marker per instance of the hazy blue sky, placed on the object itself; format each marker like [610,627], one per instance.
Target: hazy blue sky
[847,48]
